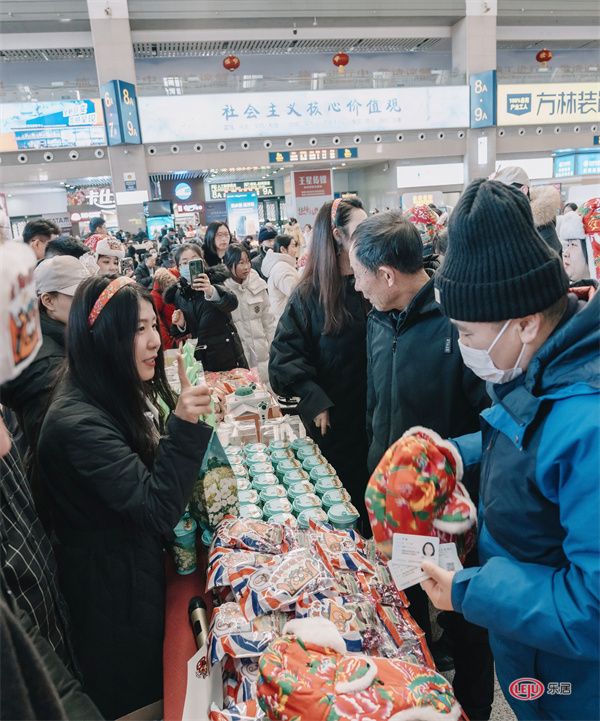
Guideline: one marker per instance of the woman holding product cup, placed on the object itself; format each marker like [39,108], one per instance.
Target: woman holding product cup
[119,474]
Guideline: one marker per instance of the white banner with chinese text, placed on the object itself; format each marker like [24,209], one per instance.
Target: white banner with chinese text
[245,115]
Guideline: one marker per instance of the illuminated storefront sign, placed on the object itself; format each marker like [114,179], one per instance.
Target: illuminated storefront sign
[263,188]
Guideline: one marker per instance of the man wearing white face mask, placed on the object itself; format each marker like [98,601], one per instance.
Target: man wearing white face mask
[537,590]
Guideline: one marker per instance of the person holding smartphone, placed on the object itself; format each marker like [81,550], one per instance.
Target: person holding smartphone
[119,471]
[203,310]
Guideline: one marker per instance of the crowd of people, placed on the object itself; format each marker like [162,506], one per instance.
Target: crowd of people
[481,325]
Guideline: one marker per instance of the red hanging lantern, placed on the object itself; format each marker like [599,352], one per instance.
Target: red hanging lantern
[544,57]
[231,63]
[340,60]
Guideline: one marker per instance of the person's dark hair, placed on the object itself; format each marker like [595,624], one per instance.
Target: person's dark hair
[233,255]
[179,250]
[440,244]
[292,221]
[210,249]
[433,207]
[573,206]
[96,223]
[388,239]
[101,361]
[555,312]
[66,245]
[321,273]
[40,227]
[282,241]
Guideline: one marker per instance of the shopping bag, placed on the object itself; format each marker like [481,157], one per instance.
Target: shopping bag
[215,494]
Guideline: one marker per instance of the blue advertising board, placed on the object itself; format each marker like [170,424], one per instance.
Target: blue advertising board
[581,162]
[482,101]
[121,113]
[242,213]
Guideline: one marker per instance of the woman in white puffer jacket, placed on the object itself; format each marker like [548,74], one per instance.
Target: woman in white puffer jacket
[279,268]
[253,318]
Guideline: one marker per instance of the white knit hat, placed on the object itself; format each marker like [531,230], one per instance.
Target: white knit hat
[110,246]
[571,227]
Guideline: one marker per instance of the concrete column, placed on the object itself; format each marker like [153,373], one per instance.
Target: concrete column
[113,51]
[474,51]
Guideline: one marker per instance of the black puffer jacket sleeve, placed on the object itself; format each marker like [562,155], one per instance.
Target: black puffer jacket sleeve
[227,301]
[293,360]
[96,451]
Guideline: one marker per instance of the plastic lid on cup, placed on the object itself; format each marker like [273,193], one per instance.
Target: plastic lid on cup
[278,455]
[249,496]
[308,500]
[302,442]
[300,489]
[325,470]
[334,497]
[263,480]
[250,510]
[251,448]
[343,514]
[286,519]
[257,469]
[243,484]
[295,476]
[271,492]
[311,462]
[306,452]
[287,466]
[277,505]
[317,513]
[279,445]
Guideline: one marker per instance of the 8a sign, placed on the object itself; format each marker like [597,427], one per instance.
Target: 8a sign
[483,99]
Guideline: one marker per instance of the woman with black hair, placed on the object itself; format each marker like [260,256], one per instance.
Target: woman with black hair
[119,476]
[216,242]
[204,306]
[319,351]
[253,318]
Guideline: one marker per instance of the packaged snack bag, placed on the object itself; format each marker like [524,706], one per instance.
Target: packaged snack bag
[308,676]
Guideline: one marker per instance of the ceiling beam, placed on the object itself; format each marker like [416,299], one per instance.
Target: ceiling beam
[547,32]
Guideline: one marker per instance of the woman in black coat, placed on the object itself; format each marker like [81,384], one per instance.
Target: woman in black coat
[204,312]
[119,476]
[319,350]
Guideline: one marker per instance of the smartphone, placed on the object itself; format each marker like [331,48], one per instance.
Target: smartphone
[197,267]
[126,266]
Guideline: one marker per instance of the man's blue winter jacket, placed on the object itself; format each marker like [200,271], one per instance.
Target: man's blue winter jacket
[537,590]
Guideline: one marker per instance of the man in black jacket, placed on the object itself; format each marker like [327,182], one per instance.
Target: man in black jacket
[416,377]
[144,273]
[266,238]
